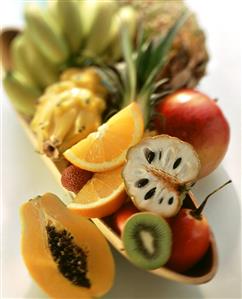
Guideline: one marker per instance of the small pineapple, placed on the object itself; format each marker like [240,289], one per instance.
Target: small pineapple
[136,80]
[188,57]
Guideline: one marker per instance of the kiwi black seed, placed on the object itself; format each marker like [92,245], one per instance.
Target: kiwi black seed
[147,240]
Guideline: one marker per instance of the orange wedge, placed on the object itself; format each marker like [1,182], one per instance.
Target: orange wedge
[106,148]
[102,195]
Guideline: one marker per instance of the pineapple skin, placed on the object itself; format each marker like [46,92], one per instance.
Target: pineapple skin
[188,57]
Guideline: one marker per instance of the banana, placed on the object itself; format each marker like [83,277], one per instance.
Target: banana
[31,63]
[46,34]
[52,11]
[45,72]
[21,93]
[70,19]
[97,17]
[20,57]
[126,16]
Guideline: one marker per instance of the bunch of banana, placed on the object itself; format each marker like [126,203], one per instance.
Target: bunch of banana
[65,114]
[81,32]
[63,34]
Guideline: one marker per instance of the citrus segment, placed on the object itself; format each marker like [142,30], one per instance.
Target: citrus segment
[102,195]
[106,148]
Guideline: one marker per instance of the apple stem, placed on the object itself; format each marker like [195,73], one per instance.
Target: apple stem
[197,212]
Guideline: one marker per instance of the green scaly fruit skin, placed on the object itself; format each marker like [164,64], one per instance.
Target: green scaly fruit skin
[125,16]
[97,17]
[69,16]
[22,95]
[46,35]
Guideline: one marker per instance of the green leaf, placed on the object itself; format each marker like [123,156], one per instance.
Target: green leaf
[130,79]
[162,49]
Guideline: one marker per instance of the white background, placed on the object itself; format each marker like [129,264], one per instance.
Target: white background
[24,175]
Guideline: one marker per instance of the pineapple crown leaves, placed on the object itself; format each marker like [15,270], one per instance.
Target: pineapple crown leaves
[142,70]
[135,78]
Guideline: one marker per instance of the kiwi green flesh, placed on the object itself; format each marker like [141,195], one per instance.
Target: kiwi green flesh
[147,240]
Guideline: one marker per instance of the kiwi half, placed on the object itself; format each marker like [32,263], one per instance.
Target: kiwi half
[147,240]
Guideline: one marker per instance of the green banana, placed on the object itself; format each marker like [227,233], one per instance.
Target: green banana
[45,34]
[126,16]
[97,17]
[20,57]
[70,20]
[52,11]
[22,95]
[31,63]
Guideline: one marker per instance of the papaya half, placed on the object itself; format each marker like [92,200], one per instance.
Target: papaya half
[65,254]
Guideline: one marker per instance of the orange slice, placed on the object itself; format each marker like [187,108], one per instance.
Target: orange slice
[106,148]
[102,195]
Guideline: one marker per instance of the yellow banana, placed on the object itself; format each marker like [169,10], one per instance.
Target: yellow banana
[21,93]
[46,34]
[70,20]
[97,17]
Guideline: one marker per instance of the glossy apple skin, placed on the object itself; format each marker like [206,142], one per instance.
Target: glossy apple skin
[191,239]
[195,118]
[122,215]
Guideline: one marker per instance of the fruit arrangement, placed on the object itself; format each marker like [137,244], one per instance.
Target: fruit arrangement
[107,90]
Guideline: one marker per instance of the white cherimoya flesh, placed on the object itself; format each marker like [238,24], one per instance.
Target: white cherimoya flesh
[158,173]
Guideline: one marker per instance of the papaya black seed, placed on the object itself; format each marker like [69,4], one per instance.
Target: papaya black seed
[149,155]
[141,183]
[177,163]
[150,193]
[170,200]
[71,259]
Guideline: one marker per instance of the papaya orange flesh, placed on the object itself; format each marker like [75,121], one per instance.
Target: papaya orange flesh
[65,253]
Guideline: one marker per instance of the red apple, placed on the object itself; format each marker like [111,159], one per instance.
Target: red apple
[122,215]
[195,118]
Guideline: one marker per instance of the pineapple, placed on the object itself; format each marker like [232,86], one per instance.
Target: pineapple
[136,79]
[188,57]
